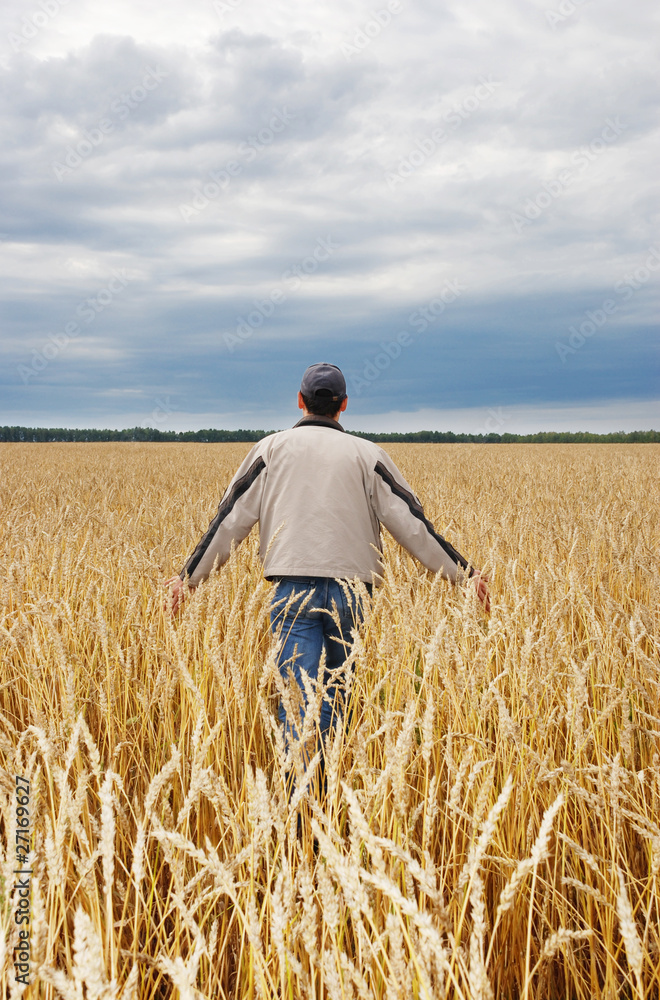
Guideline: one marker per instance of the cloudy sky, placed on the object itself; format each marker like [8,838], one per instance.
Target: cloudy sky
[456,203]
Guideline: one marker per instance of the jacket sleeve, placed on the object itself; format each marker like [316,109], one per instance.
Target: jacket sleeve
[238,511]
[401,512]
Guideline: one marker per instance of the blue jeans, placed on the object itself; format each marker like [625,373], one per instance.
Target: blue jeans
[305,633]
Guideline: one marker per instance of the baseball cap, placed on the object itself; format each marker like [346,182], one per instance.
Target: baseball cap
[324,381]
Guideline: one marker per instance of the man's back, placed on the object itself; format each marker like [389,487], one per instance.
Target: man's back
[318,488]
[319,496]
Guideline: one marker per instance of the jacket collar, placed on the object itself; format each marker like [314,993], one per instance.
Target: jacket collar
[313,419]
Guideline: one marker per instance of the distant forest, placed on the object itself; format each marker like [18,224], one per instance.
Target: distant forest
[212,436]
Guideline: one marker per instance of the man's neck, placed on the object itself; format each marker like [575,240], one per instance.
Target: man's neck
[314,418]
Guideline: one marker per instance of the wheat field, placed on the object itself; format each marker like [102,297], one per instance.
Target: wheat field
[492,821]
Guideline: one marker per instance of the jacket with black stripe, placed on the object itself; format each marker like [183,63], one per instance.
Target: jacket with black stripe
[320,496]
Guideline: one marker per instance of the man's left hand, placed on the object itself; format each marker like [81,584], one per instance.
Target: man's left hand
[480,580]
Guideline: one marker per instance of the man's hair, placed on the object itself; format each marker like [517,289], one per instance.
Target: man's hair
[321,406]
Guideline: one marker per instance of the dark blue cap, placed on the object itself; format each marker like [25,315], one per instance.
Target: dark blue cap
[323,381]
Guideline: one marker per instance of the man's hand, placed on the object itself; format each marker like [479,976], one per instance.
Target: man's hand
[480,580]
[178,593]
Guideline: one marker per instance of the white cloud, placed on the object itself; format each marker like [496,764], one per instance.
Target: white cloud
[602,417]
[519,98]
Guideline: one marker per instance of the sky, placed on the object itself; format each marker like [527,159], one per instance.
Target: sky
[457,203]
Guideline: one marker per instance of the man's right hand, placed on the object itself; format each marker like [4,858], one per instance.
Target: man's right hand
[176,583]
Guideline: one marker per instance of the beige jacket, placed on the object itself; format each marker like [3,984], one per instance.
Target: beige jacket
[320,496]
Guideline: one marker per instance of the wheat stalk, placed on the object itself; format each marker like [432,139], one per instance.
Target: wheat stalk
[165,853]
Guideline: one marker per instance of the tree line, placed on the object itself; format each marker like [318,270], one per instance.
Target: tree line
[212,436]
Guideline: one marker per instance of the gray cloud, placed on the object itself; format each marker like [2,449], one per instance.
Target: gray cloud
[499,148]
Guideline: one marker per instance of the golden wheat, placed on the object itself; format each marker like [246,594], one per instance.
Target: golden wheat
[492,821]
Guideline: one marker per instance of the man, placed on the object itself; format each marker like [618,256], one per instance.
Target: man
[320,496]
